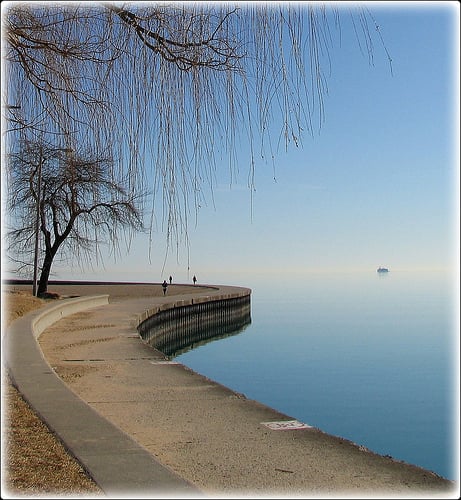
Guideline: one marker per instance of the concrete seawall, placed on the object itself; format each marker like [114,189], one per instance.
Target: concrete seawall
[183,323]
[117,463]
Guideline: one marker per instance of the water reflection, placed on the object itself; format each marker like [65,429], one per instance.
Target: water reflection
[215,335]
[179,329]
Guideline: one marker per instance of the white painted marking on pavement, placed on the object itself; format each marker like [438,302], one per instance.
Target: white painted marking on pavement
[164,362]
[286,425]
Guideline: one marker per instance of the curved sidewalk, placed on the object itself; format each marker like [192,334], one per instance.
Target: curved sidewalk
[117,463]
[141,425]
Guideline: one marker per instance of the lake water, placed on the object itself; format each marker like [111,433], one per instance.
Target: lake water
[370,357]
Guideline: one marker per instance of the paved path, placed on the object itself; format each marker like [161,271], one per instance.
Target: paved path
[142,424]
[117,463]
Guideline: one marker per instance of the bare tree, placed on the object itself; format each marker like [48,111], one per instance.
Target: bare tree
[77,204]
[171,89]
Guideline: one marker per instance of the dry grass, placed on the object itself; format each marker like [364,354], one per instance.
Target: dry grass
[34,462]
[18,303]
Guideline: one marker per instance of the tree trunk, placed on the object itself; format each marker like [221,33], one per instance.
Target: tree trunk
[45,274]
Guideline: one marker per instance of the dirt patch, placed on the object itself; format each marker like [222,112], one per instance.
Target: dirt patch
[72,372]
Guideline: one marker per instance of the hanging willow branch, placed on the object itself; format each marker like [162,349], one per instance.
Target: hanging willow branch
[170,90]
[211,51]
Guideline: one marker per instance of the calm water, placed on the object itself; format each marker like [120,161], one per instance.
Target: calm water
[372,358]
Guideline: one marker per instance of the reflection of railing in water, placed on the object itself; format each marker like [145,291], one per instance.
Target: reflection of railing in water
[176,329]
[214,337]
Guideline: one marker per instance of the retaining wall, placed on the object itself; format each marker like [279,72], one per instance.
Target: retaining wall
[65,308]
[174,327]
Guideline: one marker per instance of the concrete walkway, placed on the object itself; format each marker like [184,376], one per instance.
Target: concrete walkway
[117,463]
[143,426]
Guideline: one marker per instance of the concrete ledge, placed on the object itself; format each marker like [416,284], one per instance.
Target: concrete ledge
[118,464]
[65,308]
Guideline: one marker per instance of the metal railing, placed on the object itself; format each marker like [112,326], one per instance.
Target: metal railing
[180,328]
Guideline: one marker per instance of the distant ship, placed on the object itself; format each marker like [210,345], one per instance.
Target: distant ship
[382,270]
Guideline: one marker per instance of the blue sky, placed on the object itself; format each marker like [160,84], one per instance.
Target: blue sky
[377,185]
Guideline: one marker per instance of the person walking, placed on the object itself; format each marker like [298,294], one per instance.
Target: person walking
[194,279]
[171,279]
[164,286]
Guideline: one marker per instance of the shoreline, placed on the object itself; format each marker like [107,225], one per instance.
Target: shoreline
[87,380]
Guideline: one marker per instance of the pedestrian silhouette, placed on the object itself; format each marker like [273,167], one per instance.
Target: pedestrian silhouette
[164,286]
[171,279]
[194,279]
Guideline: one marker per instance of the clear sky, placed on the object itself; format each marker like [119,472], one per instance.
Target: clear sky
[377,185]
